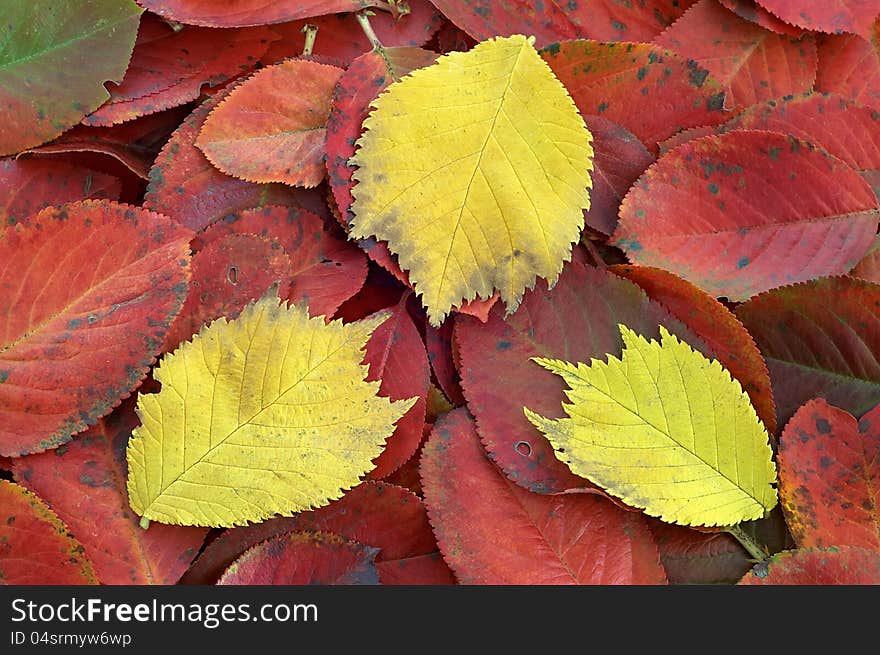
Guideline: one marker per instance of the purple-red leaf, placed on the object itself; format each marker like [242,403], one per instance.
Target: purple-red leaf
[847,565]
[747,211]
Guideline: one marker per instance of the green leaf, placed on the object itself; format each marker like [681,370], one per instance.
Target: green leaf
[54,60]
[665,429]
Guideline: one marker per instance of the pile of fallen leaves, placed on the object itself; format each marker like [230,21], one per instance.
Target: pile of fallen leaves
[351,291]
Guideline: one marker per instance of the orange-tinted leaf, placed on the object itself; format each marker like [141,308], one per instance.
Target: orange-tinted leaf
[227,274]
[619,80]
[575,321]
[380,515]
[491,531]
[325,269]
[753,63]
[134,144]
[304,558]
[847,565]
[819,339]
[604,20]
[84,481]
[30,185]
[850,65]
[694,557]
[35,546]
[620,159]
[832,16]
[87,292]
[340,37]
[271,128]
[186,187]
[397,358]
[168,68]
[869,266]
[752,11]
[743,212]
[716,325]
[829,477]
[849,131]
[243,13]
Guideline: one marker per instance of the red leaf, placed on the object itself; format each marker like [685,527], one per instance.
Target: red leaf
[378,514]
[850,65]
[85,482]
[847,565]
[438,342]
[396,357]
[747,211]
[186,187]
[604,20]
[304,558]
[606,78]
[492,531]
[271,128]
[829,477]
[227,274]
[30,185]
[244,13]
[849,131]
[753,63]
[751,11]
[819,339]
[869,267]
[168,67]
[85,315]
[35,546]
[575,321]
[832,16]
[325,269]
[134,144]
[716,325]
[694,557]
[341,38]
[619,160]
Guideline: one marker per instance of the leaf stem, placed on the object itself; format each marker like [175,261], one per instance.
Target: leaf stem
[311,32]
[751,546]
[594,253]
[145,522]
[364,21]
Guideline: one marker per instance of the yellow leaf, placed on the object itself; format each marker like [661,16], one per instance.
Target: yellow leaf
[665,429]
[476,171]
[265,414]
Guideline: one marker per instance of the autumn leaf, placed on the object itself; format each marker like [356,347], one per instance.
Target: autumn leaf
[35,546]
[850,65]
[666,430]
[243,13]
[271,128]
[304,558]
[847,565]
[84,316]
[820,339]
[477,200]
[832,16]
[829,477]
[54,60]
[755,13]
[265,414]
[720,212]
[755,64]
[491,531]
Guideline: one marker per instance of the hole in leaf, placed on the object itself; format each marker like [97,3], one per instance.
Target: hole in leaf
[524,448]
[232,275]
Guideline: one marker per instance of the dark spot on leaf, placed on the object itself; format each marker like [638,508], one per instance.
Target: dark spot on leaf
[822,426]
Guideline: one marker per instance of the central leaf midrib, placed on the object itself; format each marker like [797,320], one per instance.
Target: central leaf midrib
[477,166]
[735,483]
[246,421]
